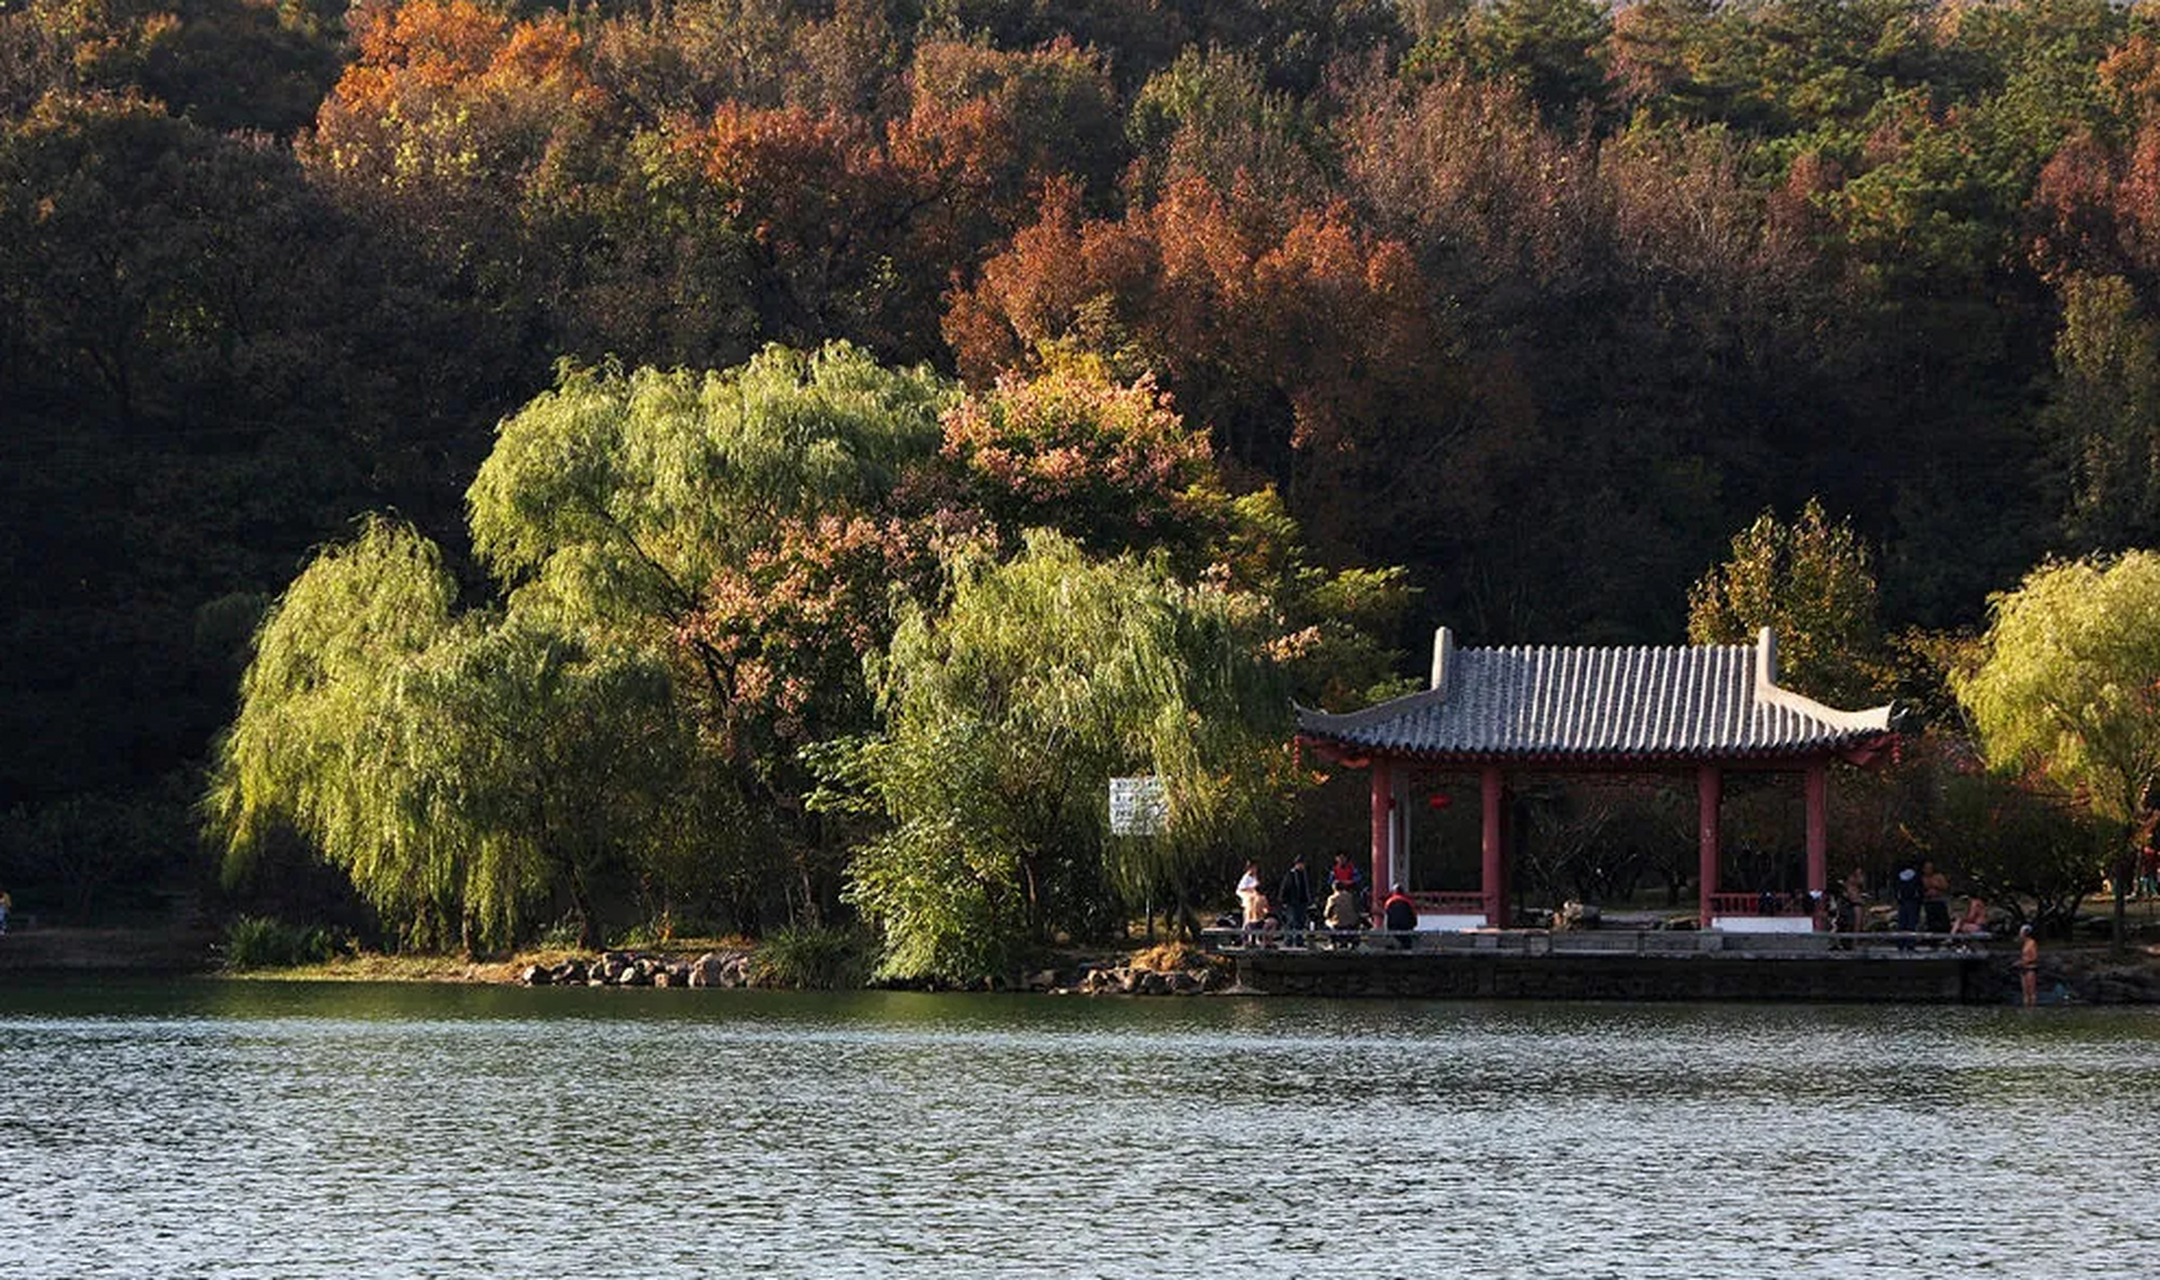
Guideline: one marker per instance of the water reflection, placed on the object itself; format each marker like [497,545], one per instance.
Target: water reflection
[276,1130]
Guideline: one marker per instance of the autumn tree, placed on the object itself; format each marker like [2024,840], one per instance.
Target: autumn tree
[986,129]
[482,142]
[1303,340]
[221,64]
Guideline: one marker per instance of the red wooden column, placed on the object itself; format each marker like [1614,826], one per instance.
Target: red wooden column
[1818,838]
[1709,790]
[1383,824]
[1493,877]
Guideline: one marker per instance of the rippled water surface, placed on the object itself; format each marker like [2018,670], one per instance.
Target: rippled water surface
[275,1130]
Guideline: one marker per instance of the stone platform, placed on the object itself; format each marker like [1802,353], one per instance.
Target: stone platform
[1620,966]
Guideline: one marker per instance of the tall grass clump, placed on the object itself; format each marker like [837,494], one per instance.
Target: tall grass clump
[263,942]
[813,958]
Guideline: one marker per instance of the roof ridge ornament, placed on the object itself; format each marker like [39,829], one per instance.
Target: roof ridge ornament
[1443,652]
[1768,692]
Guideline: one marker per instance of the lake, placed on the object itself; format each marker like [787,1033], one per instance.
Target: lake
[256,1129]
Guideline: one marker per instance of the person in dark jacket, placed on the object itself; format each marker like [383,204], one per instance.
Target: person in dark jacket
[1294,896]
[1398,915]
[1908,889]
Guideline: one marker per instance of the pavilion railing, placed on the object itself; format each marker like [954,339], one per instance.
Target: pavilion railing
[1761,904]
[1449,904]
[1646,942]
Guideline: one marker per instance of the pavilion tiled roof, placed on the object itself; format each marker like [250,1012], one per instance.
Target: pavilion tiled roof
[1637,704]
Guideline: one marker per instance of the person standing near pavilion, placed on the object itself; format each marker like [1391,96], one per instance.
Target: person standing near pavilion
[1855,897]
[1294,896]
[1908,891]
[2028,965]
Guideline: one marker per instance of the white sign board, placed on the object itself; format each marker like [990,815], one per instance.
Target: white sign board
[1138,806]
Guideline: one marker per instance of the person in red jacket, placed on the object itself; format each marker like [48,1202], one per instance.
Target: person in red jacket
[1398,915]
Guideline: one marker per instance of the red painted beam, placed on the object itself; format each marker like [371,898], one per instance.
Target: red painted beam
[1818,839]
[1383,801]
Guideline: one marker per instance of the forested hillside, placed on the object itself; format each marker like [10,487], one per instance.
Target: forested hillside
[1541,300]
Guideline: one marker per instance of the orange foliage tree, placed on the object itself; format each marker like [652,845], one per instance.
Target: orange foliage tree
[1301,337]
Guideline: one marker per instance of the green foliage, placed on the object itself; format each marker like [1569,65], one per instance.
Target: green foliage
[734,523]
[2033,852]
[2068,691]
[93,853]
[1810,582]
[1006,717]
[2069,685]
[806,957]
[459,769]
[262,942]
[1211,113]
[313,702]
[622,495]
[1554,48]
[2104,417]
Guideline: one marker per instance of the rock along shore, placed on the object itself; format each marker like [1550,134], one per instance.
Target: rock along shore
[646,969]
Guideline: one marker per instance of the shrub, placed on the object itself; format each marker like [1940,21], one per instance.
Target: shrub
[263,942]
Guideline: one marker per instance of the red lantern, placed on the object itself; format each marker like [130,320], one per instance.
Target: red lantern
[1439,800]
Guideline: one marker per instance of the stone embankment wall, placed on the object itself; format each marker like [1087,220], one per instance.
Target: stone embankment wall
[1945,979]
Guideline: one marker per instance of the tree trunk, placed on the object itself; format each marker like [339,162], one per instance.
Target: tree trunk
[2125,867]
[589,936]
[1188,924]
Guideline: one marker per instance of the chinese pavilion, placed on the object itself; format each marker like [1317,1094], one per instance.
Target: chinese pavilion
[1701,709]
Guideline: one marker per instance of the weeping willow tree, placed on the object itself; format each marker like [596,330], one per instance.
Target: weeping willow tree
[2069,691]
[621,496]
[1005,717]
[462,770]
